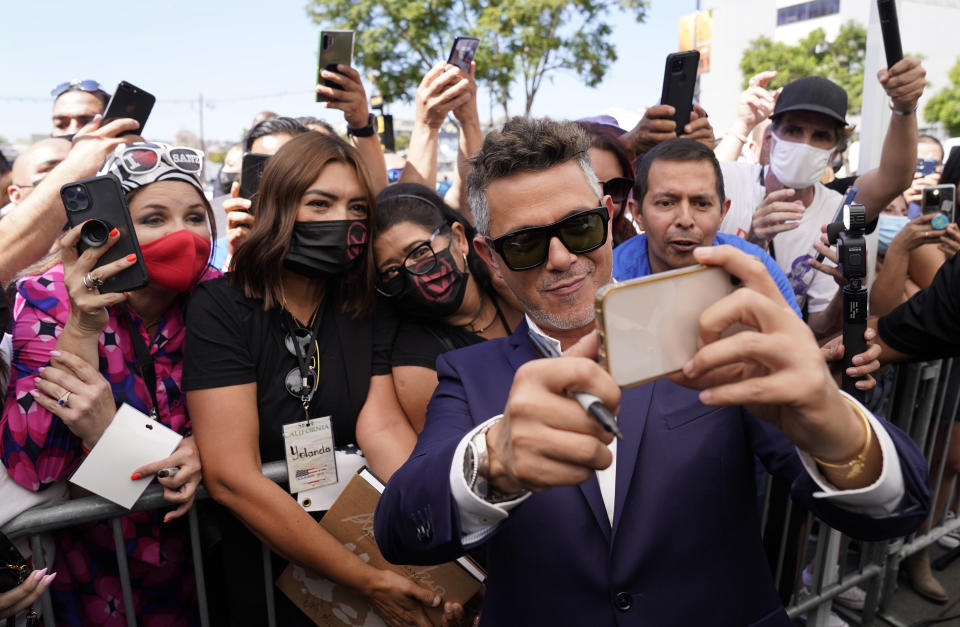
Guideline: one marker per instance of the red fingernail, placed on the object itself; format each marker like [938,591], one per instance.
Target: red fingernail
[114,232]
[127,294]
[167,519]
[131,258]
[134,476]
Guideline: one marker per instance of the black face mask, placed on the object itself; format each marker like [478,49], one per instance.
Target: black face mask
[326,248]
[436,294]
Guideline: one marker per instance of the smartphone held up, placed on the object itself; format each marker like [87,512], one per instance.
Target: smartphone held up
[649,326]
[129,101]
[462,52]
[336,48]
[679,83]
[99,204]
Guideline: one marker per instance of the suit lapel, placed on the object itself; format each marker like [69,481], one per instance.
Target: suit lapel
[632,422]
[521,352]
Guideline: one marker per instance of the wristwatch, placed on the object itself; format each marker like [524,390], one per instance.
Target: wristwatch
[363,131]
[476,468]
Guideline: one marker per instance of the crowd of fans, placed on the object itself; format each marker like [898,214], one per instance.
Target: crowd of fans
[342,287]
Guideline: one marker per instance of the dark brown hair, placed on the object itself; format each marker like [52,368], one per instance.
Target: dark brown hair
[257,267]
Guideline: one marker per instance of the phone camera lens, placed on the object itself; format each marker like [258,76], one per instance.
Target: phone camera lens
[95,233]
[75,199]
[678,65]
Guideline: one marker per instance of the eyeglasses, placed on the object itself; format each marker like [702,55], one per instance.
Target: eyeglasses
[86,85]
[419,261]
[145,158]
[618,188]
[293,380]
[528,248]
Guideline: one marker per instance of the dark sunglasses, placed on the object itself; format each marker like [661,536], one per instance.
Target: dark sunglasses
[293,380]
[618,188]
[87,85]
[528,248]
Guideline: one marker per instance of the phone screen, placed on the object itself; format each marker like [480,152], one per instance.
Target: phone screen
[463,51]
[649,326]
[940,199]
[250,172]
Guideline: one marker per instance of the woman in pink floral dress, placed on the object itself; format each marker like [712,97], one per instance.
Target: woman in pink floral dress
[75,362]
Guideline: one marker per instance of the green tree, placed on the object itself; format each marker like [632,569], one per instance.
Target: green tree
[520,40]
[840,60]
[944,106]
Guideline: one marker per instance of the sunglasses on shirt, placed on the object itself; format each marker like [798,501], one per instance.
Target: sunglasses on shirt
[528,248]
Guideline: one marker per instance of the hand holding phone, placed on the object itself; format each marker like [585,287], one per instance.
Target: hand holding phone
[99,204]
[941,200]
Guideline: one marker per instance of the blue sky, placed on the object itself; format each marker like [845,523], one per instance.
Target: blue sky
[245,56]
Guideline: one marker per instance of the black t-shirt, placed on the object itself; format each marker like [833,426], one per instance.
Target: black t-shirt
[928,325]
[231,340]
[420,342]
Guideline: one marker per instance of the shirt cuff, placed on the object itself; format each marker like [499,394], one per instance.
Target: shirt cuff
[878,499]
[478,518]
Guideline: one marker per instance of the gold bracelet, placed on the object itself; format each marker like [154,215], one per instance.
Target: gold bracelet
[856,463]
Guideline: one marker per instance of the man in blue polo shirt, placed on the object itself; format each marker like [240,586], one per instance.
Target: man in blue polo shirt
[679,192]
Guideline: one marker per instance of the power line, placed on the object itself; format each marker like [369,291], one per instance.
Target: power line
[179,101]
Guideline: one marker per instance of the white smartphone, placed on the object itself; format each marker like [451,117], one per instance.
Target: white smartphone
[649,326]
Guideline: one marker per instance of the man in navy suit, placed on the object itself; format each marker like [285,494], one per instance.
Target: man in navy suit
[660,527]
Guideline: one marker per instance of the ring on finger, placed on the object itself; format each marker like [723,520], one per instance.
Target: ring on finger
[92,282]
[64,400]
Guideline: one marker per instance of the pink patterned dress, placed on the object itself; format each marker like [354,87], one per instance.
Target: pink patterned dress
[38,449]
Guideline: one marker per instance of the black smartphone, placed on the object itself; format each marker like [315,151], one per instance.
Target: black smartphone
[890,29]
[251,170]
[940,199]
[679,80]
[99,204]
[336,47]
[129,101]
[462,52]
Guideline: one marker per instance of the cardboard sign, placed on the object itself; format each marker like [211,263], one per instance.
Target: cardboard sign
[350,520]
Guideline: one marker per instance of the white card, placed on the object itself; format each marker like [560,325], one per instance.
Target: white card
[131,440]
[320,499]
[309,449]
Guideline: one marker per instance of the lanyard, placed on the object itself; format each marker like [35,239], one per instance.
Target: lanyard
[304,359]
[144,360]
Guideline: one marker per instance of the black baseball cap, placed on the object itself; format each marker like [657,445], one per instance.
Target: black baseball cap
[813,93]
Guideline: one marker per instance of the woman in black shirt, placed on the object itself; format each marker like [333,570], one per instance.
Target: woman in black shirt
[427,267]
[291,336]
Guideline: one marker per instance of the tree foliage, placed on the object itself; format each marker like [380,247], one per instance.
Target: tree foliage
[944,106]
[840,60]
[521,41]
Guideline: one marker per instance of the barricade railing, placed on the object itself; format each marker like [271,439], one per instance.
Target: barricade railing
[919,400]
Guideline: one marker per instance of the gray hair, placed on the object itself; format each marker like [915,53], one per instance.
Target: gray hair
[525,145]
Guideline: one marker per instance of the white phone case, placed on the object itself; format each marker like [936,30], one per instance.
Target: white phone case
[648,326]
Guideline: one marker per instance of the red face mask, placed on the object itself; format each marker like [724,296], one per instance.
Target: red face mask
[176,261]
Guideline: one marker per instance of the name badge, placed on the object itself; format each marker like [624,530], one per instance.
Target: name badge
[310,458]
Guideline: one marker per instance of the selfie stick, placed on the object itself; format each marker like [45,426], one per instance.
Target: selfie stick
[854,326]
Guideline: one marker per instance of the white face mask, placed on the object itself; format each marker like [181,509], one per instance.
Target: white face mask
[798,165]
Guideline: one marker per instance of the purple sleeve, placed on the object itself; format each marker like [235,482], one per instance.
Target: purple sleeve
[37,447]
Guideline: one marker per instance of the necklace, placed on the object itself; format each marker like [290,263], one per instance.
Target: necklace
[469,326]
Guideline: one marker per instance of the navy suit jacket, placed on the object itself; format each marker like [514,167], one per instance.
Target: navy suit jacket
[684,548]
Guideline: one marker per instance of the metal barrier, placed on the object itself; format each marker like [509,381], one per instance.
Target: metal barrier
[919,399]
